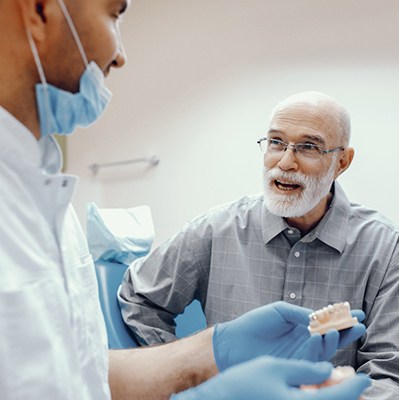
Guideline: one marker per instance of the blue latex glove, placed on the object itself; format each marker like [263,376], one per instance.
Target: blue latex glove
[267,378]
[280,330]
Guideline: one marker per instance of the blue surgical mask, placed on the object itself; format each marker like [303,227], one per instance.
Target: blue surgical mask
[61,111]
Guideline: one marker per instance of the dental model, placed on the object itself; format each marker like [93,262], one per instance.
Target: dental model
[337,316]
[338,375]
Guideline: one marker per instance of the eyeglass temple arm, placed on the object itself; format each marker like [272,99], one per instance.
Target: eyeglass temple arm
[333,150]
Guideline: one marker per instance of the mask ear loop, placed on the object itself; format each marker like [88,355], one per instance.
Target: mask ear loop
[73,31]
[42,77]
[36,58]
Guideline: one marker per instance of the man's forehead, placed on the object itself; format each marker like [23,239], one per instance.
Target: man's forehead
[301,135]
[305,122]
[302,113]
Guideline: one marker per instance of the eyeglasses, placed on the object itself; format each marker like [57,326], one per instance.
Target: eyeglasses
[308,151]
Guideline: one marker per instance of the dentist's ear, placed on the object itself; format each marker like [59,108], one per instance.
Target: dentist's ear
[345,160]
[34,14]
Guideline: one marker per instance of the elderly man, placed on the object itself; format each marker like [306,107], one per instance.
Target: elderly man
[53,58]
[302,241]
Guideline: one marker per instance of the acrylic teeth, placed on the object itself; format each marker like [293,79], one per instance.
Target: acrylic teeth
[330,309]
[334,316]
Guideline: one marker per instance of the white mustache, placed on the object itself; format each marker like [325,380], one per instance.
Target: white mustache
[293,177]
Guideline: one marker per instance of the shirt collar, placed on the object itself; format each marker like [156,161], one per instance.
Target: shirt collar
[332,229]
[20,146]
[18,143]
[272,225]
[51,156]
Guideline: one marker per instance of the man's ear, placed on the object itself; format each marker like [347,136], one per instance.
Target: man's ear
[345,160]
[34,16]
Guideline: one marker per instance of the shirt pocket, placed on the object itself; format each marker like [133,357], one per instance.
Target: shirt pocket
[92,332]
[86,293]
[36,352]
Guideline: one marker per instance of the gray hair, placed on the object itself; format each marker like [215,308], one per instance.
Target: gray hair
[316,100]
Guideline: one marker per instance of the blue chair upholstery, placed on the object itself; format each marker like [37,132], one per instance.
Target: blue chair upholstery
[192,320]
[109,277]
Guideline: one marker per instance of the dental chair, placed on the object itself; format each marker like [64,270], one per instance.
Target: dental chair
[109,277]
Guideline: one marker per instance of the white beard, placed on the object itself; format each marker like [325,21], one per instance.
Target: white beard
[314,189]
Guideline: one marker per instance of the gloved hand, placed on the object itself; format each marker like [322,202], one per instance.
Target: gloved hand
[267,378]
[280,330]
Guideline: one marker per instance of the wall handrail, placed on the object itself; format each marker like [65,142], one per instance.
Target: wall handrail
[153,160]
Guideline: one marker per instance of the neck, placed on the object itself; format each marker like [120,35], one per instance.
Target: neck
[23,108]
[18,74]
[310,220]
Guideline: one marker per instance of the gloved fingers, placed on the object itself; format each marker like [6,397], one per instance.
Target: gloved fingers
[311,349]
[298,372]
[350,389]
[331,342]
[359,314]
[349,335]
[292,313]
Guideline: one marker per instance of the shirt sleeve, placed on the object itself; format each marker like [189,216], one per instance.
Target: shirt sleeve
[157,288]
[378,354]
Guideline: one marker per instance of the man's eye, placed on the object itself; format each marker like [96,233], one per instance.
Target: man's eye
[275,142]
[307,146]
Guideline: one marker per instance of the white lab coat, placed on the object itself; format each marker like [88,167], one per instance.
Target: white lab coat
[53,341]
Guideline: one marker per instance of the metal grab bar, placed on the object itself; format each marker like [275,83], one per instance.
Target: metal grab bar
[153,160]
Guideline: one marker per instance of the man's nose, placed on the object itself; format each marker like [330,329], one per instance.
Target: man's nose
[288,160]
[120,57]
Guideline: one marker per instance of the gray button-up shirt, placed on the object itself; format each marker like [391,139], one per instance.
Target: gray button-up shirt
[240,256]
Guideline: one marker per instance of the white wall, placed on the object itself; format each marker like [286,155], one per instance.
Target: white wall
[201,80]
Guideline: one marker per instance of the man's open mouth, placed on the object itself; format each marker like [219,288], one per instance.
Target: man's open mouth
[286,186]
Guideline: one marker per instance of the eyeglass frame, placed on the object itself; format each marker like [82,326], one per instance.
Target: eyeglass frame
[322,151]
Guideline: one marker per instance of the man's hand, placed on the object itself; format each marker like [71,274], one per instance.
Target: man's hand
[280,330]
[266,378]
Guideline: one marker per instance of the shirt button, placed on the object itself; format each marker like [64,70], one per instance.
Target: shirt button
[297,254]
[290,231]
[292,295]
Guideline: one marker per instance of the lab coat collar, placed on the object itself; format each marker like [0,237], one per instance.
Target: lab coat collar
[51,156]
[18,142]
[19,145]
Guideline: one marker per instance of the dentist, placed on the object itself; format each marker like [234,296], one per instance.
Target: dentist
[54,55]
